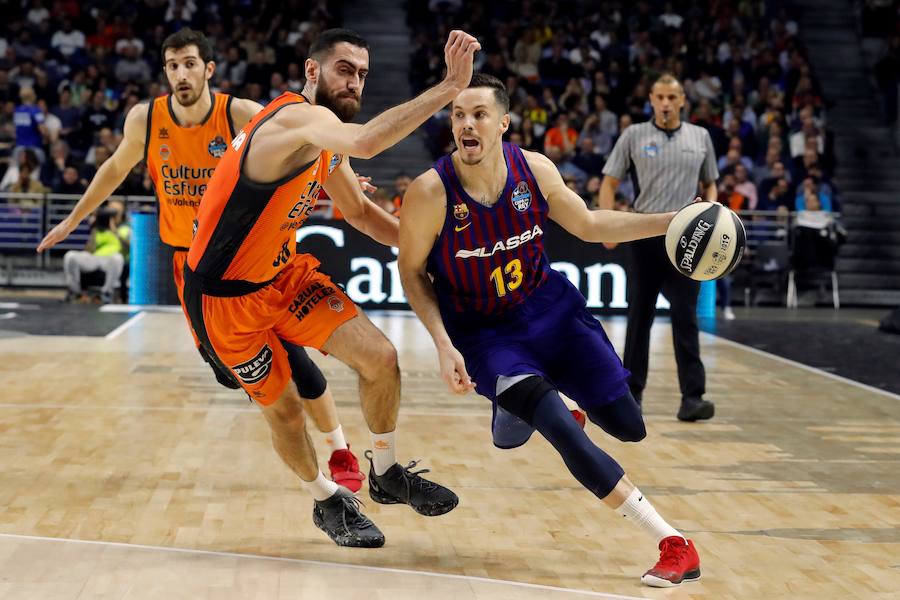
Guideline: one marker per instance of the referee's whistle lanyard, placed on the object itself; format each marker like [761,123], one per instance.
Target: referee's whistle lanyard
[670,133]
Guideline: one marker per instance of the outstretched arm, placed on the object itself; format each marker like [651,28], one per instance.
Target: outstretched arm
[320,127]
[424,208]
[568,209]
[343,187]
[109,176]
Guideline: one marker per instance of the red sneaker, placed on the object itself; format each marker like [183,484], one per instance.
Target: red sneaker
[580,417]
[678,561]
[345,470]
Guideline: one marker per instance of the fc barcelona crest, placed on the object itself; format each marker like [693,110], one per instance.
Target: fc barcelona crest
[521,196]
[460,211]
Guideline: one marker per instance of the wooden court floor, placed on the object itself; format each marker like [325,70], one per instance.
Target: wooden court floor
[126,473]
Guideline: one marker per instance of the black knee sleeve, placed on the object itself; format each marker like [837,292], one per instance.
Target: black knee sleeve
[223,377]
[621,418]
[522,397]
[305,373]
[591,466]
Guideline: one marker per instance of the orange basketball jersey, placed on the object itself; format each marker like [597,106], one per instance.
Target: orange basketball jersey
[181,160]
[247,230]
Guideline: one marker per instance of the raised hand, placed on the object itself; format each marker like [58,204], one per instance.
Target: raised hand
[459,54]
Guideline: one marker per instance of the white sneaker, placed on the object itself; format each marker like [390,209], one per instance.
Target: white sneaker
[728,314]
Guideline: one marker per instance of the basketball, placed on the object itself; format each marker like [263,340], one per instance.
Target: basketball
[705,240]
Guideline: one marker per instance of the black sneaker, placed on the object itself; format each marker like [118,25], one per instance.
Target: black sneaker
[696,409]
[340,518]
[399,485]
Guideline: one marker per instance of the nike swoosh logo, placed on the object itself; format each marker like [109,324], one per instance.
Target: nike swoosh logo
[458,228]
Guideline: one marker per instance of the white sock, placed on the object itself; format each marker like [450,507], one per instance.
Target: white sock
[639,511]
[335,439]
[383,452]
[320,488]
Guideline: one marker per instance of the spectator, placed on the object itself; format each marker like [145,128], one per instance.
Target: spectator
[587,159]
[809,132]
[817,235]
[810,188]
[129,42]
[527,54]
[52,169]
[234,68]
[27,184]
[95,118]
[131,66]
[26,159]
[9,91]
[103,252]
[30,128]
[566,167]
[574,98]
[37,14]
[778,171]
[401,183]
[68,41]
[52,124]
[382,199]
[70,182]
[729,196]
[778,197]
[561,136]
[591,190]
[556,70]
[744,186]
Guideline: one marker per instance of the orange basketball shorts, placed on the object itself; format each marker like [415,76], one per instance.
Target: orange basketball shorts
[178,273]
[243,333]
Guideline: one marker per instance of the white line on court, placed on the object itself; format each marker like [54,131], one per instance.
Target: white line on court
[131,321]
[799,365]
[125,308]
[317,563]
[125,407]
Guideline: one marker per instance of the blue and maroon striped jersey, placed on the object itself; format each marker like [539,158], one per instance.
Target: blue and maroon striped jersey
[487,260]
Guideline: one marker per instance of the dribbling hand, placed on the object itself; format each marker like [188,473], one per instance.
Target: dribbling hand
[459,54]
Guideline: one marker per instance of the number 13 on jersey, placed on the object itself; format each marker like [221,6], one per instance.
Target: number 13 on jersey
[507,284]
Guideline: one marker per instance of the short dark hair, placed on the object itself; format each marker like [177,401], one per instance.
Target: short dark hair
[329,38]
[188,37]
[667,79]
[481,80]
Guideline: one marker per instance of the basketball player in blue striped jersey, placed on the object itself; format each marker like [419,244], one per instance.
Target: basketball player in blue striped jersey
[473,266]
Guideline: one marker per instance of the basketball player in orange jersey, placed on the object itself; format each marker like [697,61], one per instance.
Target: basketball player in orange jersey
[473,266]
[247,291]
[182,136]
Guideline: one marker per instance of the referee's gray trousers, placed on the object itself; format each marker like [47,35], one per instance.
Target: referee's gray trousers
[650,273]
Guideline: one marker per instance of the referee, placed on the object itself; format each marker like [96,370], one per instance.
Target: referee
[669,159]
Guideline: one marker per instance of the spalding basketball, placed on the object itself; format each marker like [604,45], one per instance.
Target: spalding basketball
[705,240]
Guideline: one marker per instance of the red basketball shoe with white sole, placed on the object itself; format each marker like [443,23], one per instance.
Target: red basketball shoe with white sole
[678,562]
[345,470]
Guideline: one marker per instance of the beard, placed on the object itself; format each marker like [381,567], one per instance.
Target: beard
[345,104]
[187,98]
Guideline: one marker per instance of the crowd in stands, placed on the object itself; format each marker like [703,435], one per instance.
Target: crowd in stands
[70,71]
[579,73]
